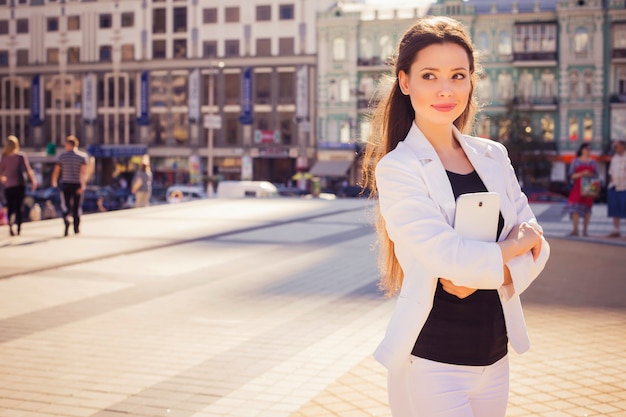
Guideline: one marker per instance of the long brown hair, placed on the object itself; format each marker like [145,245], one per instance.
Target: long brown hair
[392,118]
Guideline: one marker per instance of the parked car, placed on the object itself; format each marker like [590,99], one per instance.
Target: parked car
[290,191]
[240,189]
[353,191]
[110,200]
[179,193]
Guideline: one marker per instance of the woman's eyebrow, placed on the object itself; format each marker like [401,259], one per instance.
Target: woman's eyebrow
[439,69]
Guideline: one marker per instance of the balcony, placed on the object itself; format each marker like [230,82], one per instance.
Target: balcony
[535,56]
[618,53]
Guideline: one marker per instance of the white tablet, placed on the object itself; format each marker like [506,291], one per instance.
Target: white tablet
[477,216]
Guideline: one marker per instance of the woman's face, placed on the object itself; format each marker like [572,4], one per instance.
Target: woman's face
[438,84]
[584,151]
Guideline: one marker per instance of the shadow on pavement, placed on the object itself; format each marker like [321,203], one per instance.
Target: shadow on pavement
[581,274]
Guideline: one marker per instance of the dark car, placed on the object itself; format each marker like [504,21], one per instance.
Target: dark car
[110,200]
[353,191]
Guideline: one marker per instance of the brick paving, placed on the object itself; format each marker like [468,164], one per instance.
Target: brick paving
[268,308]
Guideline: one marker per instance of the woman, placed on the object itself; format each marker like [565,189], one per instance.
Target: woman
[13,165]
[445,348]
[578,205]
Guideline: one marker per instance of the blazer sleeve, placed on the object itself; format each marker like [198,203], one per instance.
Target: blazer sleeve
[524,270]
[421,234]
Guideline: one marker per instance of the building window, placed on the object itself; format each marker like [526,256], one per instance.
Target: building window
[547,128]
[286,128]
[264,47]
[180,19]
[386,48]
[52,24]
[158,49]
[344,90]
[128,52]
[209,49]
[231,14]
[573,128]
[4,58]
[231,47]
[504,43]
[263,87]
[285,12]
[22,25]
[128,19]
[106,21]
[180,48]
[286,87]
[73,54]
[232,88]
[581,42]
[4,27]
[263,13]
[588,83]
[505,86]
[286,46]
[105,53]
[52,55]
[587,129]
[482,42]
[158,21]
[73,23]
[339,49]
[573,84]
[619,36]
[231,130]
[22,57]
[209,15]
[548,85]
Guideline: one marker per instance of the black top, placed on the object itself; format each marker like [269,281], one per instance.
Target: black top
[468,331]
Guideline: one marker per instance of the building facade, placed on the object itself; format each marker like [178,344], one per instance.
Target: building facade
[207,88]
[269,89]
[552,75]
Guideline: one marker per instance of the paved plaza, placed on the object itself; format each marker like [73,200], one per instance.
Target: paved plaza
[249,308]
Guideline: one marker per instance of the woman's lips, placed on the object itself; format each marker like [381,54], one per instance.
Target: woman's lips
[444,107]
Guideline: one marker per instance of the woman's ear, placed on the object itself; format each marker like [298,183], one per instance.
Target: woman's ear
[403,82]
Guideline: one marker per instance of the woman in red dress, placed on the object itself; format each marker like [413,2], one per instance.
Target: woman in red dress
[578,205]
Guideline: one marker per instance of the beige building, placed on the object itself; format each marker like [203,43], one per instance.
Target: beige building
[227,85]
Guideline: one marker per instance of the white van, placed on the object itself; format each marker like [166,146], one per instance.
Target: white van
[240,189]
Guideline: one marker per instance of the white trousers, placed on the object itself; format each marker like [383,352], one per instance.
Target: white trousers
[433,389]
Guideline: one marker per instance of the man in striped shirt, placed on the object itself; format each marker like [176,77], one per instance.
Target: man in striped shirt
[72,167]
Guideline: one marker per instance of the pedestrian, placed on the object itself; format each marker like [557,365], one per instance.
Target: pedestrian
[445,348]
[579,203]
[616,194]
[142,183]
[13,166]
[71,166]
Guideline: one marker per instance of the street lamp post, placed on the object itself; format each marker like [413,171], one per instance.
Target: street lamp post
[212,122]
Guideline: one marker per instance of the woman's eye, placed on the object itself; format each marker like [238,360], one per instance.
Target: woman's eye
[428,76]
[459,76]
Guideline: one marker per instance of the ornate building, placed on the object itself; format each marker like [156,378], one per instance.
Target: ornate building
[552,78]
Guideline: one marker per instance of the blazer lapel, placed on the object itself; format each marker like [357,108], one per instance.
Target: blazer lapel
[435,175]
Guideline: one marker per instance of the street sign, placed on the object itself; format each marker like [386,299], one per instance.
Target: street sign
[212,121]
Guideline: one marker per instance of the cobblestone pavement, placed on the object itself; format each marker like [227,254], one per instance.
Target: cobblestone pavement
[268,308]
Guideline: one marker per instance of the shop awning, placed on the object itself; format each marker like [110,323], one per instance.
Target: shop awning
[116,151]
[331,168]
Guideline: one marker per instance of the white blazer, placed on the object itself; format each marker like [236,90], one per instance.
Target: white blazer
[417,204]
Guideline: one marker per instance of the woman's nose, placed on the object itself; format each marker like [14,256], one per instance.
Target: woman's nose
[445,89]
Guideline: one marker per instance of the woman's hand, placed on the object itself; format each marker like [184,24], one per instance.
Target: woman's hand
[527,237]
[457,290]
